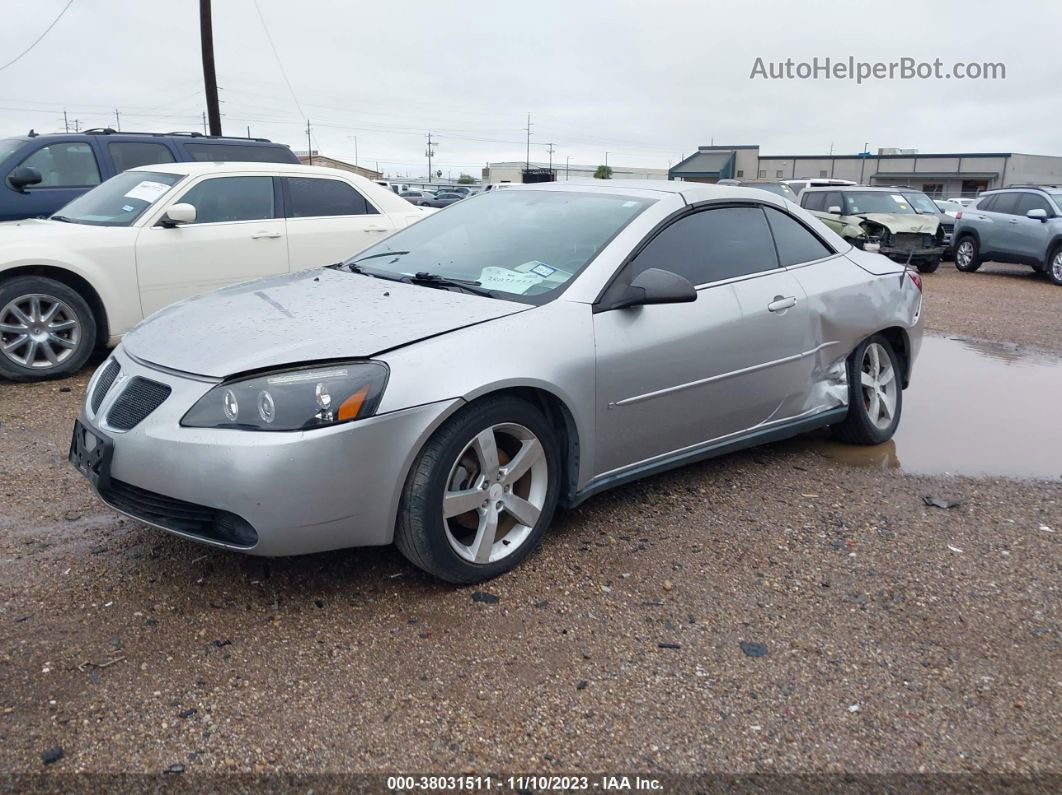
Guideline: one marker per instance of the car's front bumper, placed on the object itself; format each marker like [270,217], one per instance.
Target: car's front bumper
[301,492]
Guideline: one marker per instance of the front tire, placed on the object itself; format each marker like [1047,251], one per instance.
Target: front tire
[875,397]
[481,493]
[967,254]
[47,329]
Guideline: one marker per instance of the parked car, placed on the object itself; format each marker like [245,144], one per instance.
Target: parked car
[1021,225]
[156,234]
[948,207]
[798,185]
[447,388]
[442,199]
[964,201]
[777,187]
[880,219]
[41,173]
[924,205]
[418,197]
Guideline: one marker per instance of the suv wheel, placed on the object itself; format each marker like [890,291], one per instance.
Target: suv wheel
[967,255]
[46,329]
[1054,266]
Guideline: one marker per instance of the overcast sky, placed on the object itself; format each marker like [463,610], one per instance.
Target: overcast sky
[645,81]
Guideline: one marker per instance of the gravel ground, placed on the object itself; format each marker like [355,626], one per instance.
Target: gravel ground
[772,610]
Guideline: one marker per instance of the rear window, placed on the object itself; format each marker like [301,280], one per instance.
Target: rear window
[239,153]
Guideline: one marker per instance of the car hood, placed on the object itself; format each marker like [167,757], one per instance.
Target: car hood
[904,223]
[313,315]
[32,229]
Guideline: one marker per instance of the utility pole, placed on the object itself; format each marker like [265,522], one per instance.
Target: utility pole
[248,130]
[550,150]
[309,145]
[117,121]
[210,80]
[567,160]
[527,162]
[606,159]
[77,125]
[66,124]
[355,149]
[430,152]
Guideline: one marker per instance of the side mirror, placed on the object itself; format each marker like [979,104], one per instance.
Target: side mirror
[179,213]
[656,286]
[22,176]
[834,210]
[1039,214]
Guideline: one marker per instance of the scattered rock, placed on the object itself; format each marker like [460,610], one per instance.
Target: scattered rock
[485,598]
[187,713]
[542,605]
[940,502]
[53,754]
[668,585]
[753,649]
[669,646]
[583,684]
[175,768]
[217,644]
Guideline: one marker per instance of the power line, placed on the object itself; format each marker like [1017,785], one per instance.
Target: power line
[38,40]
[277,56]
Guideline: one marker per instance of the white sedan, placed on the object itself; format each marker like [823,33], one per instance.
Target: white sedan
[154,235]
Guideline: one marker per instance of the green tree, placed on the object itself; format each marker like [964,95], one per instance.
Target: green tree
[465,179]
[603,172]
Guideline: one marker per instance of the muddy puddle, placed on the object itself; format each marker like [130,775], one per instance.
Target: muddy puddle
[973,408]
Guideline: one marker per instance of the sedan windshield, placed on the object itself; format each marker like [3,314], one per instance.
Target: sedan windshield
[120,200]
[877,202]
[522,245]
[922,203]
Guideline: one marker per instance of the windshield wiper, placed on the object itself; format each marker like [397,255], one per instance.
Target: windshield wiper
[62,218]
[381,254]
[435,280]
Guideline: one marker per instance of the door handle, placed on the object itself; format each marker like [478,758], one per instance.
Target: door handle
[376,229]
[780,303]
[265,235]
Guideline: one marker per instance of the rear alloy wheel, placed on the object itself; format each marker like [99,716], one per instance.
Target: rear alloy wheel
[1054,267]
[875,397]
[46,329]
[481,493]
[967,257]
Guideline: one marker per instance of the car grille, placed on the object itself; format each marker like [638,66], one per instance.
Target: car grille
[174,514]
[141,397]
[103,386]
[908,241]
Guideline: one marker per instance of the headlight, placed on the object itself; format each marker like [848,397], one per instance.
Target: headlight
[292,400]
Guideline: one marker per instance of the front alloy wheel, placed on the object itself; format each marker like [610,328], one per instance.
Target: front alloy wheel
[46,329]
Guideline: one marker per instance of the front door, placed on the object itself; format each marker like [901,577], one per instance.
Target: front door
[236,237]
[1024,236]
[673,376]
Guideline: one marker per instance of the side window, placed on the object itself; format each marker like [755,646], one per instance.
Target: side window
[794,242]
[814,200]
[712,245]
[239,153]
[986,203]
[834,199]
[1030,201]
[1005,203]
[312,198]
[130,154]
[65,165]
[224,199]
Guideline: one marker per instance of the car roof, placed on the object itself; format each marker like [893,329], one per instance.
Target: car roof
[235,166]
[691,192]
[861,188]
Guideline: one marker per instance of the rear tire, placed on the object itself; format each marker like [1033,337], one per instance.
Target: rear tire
[47,329]
[875,396]
[465,519]
[967,254]
[1054,266]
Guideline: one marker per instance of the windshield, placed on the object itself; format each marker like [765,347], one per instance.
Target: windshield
[120,200]
[8,146]
[877,202]
[777,188]
[922,203]
[524,245]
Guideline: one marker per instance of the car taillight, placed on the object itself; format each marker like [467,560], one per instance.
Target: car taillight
[958,215]
[916,279]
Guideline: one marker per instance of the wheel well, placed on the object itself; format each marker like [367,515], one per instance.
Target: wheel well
[900,343]
[966,233]
[74,282]
[560,417]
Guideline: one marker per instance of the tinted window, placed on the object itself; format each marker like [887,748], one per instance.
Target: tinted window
[311,198]
[1030,201]
[66,165]
[231,199]
[712,245]
[130,154]
[794,242]
[1005,203]
[814,200]
[834,199]
[986,203]
[240,153]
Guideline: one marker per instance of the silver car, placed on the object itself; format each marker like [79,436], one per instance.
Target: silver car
[447,388]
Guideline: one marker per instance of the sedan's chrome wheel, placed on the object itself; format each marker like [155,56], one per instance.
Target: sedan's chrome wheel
[879,385]
[38,331]
[964,254]
[495,493]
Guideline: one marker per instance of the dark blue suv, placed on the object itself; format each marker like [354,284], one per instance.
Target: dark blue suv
[41,173]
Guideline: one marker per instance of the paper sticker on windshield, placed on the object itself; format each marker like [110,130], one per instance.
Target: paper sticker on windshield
[128,208]
[147,191]
[543,270]
[494,278]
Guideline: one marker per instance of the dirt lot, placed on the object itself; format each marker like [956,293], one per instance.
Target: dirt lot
[772,610]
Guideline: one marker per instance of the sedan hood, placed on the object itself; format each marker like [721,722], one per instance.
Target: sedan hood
[898,224]
[312,315]
[34,229]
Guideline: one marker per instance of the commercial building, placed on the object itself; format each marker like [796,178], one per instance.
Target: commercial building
[513,171]
[317,159]
[939,175]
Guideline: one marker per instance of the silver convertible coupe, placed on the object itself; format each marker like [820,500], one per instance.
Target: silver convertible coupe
[447,388]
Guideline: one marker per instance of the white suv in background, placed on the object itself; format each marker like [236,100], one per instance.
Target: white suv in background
[154,235]
[818,182]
